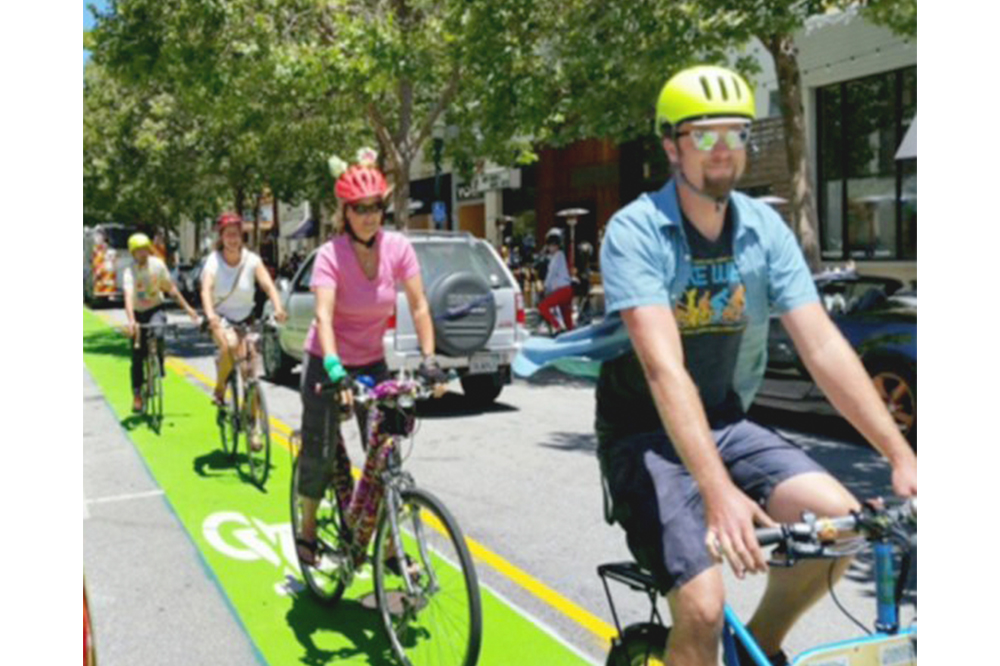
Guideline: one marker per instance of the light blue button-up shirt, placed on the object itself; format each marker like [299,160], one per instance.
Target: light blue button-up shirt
[646,260]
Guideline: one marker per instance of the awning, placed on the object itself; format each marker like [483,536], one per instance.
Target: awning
[908,148]
[309,228]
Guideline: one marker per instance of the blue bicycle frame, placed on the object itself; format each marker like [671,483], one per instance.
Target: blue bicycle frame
[886,624]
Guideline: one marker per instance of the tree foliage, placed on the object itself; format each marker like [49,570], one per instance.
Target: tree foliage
[259,93]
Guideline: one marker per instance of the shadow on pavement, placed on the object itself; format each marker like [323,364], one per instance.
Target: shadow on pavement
[572,441]
[214,461]
[553,377]
[361,626]
[107,342]
[453,404]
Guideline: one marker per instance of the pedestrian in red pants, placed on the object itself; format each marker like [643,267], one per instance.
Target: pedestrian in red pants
[558,287]
[562,299]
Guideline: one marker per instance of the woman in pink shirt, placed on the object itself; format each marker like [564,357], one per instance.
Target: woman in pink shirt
[354,278]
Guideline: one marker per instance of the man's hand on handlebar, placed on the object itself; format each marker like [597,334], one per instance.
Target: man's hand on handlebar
[730,516]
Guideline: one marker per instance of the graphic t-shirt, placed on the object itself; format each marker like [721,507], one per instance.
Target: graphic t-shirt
[147,283]
[238,305]
[711,316]
[362,307]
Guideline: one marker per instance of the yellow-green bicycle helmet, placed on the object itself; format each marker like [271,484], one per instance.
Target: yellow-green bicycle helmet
[139,241]
[704,91]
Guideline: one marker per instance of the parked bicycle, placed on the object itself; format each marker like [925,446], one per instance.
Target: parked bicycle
[244,410]
[426,587]
[877,527]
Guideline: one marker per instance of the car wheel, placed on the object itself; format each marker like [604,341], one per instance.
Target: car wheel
[482,390]
[464,313]
[896,384]
[277,365]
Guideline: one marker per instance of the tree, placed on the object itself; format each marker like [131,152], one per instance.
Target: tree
[139,152]
[223,64]
[774,23]
[396,65]
[900,16]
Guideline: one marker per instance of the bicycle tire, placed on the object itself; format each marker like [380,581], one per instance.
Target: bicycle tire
[156,390]
[445,583]
[228,418]
[326,581]
[258,462]
[147,369]
[642,644]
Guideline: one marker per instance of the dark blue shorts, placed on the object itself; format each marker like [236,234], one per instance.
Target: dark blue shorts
[657,501]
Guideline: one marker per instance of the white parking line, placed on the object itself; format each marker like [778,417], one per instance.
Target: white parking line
[119,498]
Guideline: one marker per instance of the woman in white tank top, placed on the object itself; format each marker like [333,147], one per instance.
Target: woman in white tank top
[227,293]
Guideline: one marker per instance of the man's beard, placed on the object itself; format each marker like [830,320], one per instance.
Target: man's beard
[719,187]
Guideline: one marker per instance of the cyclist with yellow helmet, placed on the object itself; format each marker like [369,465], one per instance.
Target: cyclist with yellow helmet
[144,284]
[694,272]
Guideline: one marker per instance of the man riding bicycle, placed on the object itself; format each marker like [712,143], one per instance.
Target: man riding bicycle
[143,284]
[694,271]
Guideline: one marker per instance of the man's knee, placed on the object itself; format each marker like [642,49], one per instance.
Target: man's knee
[698,606]
[817,493]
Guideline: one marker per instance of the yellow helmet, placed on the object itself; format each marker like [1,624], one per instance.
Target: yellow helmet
[139,241]
[704,91]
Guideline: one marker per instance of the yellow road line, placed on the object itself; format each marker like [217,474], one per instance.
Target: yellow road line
[529,583]
[588,620]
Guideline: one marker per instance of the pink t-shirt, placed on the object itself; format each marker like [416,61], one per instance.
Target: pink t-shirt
[362,307]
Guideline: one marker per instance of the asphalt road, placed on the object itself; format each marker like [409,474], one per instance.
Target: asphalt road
[522,480]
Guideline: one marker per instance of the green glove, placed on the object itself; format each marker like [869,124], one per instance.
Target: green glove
[334,368]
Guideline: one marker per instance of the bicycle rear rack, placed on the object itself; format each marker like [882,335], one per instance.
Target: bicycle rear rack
[635,578]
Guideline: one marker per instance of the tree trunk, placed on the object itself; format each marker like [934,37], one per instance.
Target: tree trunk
[256,225]
[401,194]
[805,222]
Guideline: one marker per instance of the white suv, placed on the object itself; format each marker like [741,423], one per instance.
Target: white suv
[476,305]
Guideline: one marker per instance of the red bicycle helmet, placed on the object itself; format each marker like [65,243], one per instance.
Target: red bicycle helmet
[361,182]
[228,218]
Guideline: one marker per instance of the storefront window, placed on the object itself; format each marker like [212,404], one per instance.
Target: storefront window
[868,198]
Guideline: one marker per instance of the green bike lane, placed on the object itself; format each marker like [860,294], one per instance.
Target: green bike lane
[244,536]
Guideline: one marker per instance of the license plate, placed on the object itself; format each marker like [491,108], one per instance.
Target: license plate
[482,364]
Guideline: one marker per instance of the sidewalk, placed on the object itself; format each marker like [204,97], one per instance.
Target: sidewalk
[152,599]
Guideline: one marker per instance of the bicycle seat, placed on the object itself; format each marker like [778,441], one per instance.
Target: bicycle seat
[628,573]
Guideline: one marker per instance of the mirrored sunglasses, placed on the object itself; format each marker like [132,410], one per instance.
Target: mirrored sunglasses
[706,139]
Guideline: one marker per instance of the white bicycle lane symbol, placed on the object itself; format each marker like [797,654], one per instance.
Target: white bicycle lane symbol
[249,539]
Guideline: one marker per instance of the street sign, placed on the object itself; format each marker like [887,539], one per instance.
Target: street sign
[438,212]
[499,179]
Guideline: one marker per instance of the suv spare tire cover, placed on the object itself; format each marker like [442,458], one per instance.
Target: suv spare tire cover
[464,313]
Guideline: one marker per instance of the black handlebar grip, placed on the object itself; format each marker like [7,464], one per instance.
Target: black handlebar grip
[768,536]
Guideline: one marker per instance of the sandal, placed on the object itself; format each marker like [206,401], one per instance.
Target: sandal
[308,546]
